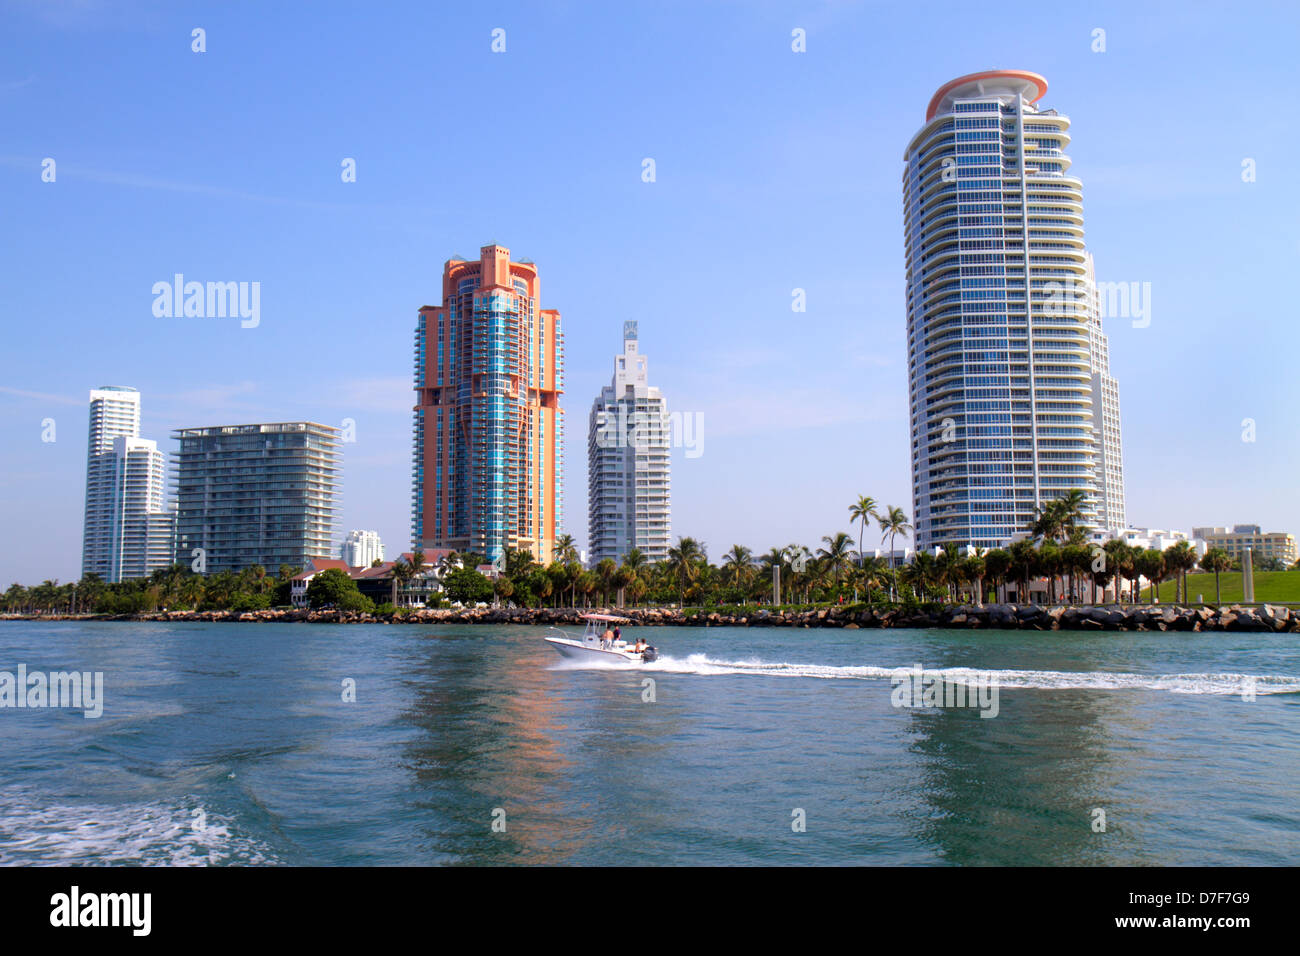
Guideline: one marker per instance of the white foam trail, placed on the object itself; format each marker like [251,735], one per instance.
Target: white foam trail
[572,664]
[140,834]
[1226,684]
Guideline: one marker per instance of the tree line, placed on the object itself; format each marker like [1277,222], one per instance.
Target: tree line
[1056,549]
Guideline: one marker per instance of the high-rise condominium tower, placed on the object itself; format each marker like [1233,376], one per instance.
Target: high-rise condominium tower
[127,532]
[628,503]
[1012,403]
[256,495]
[489,372]
[1105,415]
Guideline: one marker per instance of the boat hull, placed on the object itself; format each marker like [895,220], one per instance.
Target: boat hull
[587,653]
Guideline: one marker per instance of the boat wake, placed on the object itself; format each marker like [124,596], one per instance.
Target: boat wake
[1223,684]
[33,832]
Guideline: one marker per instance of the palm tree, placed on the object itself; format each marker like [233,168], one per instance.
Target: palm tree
[976,567]
[637,590]
[622,578]
[684,560]
[838,555]
[738,565]
[1023,558]
[503,588]
[1150,564]
[772,564]
[922,574]
[864,511]
[1121,561]
[1216,560]
[401,573]
[564,550]
[871,573]
[192,590]
[573,573]
[586,583]
[893,522]
[1181,558]
[996,564]
[1060,518]
[605,569]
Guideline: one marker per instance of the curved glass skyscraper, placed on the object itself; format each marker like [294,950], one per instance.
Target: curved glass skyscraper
[1005,351]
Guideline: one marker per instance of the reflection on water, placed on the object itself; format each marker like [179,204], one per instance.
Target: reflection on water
[455,727]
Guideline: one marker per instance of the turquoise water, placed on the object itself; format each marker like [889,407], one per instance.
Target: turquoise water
[230,744]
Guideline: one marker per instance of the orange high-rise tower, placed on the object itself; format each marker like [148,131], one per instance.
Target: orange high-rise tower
[489,431]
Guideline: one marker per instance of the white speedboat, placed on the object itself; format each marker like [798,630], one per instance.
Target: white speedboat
[592,648]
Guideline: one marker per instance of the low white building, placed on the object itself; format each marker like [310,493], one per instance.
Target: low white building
[1147,538]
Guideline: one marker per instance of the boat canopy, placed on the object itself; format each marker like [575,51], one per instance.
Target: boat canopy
[606,617]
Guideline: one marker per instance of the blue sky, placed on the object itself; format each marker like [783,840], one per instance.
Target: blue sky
[775,170]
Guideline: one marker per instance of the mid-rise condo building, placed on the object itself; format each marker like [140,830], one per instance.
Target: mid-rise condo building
[263,494]
[1263,544]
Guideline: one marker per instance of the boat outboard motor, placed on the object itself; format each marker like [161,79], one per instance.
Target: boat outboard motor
[649,654]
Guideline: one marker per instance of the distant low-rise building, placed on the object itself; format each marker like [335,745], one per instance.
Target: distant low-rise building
[376,582]
[1263,544]
[298,583]
[1149,538]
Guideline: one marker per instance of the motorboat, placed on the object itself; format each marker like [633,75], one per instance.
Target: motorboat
[593,648]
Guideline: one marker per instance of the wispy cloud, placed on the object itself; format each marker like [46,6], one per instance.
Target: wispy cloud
[6,87]
[70,171]
[394,395]
[42,396]
[764,410]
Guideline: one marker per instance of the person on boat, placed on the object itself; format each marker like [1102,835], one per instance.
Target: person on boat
[618,633]
[640,643]
[607,639]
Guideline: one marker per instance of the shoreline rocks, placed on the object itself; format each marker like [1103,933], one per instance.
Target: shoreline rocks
[1109,617]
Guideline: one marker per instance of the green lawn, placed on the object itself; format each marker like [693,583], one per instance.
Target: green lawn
[1279,586]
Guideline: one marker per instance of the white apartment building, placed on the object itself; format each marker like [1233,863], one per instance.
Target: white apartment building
[1148,538]
[127,533]
[628,463]
[361,549]
[1105,415]
[1005,372]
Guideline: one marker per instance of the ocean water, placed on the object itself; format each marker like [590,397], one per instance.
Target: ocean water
[229,744]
